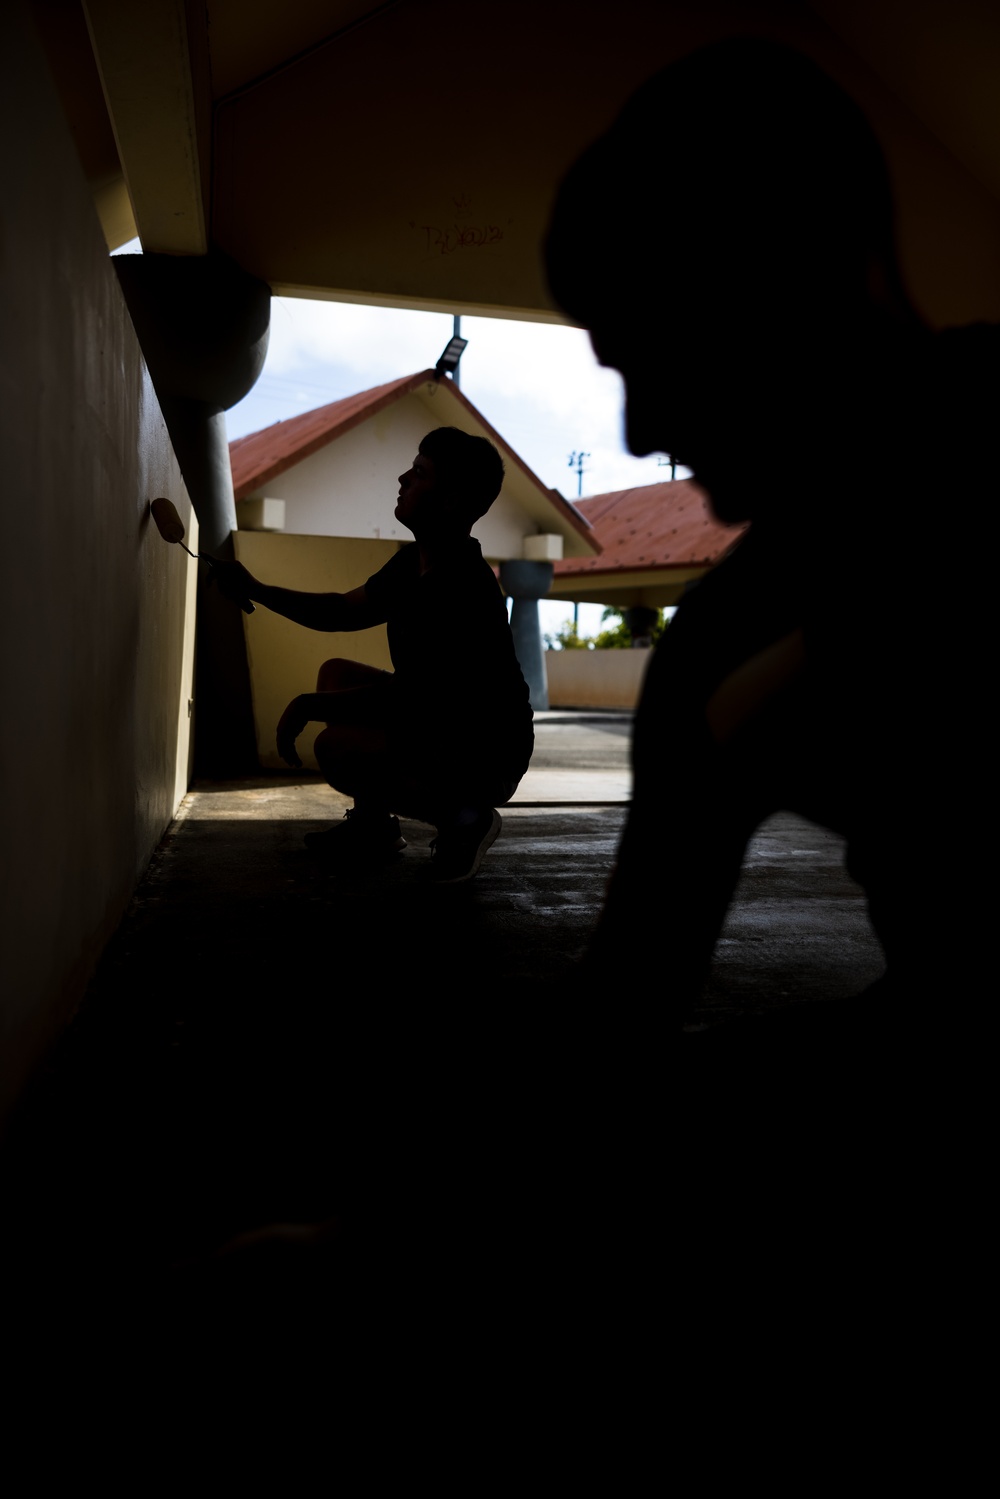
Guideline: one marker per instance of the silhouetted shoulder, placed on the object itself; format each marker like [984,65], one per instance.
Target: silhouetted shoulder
[958,419]
[968,365]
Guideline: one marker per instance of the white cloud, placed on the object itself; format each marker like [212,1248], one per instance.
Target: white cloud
[538,384]
[376,343]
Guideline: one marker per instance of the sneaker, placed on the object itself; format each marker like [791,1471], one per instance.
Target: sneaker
[458,852]
[363,839]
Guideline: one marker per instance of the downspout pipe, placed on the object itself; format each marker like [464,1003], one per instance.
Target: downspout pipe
[203,323]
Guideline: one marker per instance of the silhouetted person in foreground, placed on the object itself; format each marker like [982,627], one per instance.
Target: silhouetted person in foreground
[446,736]
[834,664]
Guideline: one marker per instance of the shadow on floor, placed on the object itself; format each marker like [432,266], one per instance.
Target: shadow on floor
[524,1197]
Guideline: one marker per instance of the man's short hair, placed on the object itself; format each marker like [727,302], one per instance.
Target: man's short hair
[468,469]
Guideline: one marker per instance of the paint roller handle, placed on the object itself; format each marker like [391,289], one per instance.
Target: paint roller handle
[171,528]
[223,572]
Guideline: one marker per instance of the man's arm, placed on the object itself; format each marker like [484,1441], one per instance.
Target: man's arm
[317,611]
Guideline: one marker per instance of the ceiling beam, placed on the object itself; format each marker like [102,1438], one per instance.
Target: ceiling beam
[152,60]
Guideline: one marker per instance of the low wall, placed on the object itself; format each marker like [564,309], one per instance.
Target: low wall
[595,679]
[284,658]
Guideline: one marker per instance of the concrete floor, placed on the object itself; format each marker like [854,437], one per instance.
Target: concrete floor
[244,973]
[533,1219]
[266,1043]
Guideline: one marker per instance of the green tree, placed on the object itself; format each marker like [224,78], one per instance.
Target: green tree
[567,638]
[618,636]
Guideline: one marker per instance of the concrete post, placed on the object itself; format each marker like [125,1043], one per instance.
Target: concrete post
[526,583]
[202,324]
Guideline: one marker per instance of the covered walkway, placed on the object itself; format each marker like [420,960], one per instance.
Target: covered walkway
[259,1026]
[511,1197]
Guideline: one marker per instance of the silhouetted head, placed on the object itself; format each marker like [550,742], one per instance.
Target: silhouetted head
[723,242]
[452,482]
[469,470]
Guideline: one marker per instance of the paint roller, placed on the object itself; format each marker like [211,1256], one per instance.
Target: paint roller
[171,528]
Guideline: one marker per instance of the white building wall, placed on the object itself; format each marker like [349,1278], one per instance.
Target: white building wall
[349,487]
[503,528]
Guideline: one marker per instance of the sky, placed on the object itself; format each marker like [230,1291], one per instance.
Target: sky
[537,384]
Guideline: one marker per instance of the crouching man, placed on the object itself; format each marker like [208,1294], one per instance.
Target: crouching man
[445,737]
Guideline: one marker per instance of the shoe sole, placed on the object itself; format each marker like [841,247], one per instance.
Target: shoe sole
[489,838]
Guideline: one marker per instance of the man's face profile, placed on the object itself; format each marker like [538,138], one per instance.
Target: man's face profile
[417,491]
[720,386]
[663,413]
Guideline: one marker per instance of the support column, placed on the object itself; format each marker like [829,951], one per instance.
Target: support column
[526,583]
[202,323]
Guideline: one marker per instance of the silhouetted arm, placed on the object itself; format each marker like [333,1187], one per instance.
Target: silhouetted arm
[710,760]
[316,611]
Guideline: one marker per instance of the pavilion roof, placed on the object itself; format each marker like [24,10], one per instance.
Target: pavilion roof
[651,527]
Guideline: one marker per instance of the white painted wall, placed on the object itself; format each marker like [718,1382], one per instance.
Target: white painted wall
[349,487]
[95,671]
[502,530]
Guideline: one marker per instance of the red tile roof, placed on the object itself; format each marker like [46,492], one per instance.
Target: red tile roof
[650,527]
[264,455]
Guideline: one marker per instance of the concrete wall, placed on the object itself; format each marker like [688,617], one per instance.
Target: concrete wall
[595,679]
[284,657]
[95,671]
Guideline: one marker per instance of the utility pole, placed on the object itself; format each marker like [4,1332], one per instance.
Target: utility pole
[576,461]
